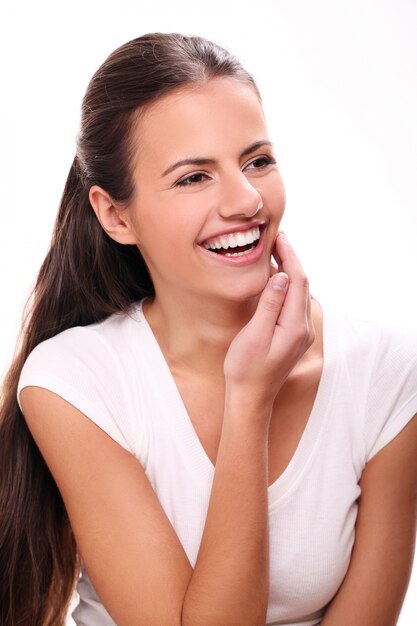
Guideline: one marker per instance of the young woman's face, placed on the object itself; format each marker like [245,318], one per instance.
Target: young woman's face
[209,197]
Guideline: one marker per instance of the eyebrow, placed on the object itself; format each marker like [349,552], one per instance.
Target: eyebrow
[206,161]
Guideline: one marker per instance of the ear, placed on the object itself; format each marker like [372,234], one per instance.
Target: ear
[111,217]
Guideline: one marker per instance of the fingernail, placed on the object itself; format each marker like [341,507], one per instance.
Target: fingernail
[283,236]
[279,282]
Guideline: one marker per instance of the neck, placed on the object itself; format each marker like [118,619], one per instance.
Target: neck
[195,333]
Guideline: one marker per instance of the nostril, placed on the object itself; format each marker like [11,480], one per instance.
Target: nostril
[258,208]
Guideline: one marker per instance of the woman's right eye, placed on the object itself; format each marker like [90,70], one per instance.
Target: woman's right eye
[194,179]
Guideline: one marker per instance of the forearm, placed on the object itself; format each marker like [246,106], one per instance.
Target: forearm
[230,582]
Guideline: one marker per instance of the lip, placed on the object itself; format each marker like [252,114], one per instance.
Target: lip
[234,229]
[238,261]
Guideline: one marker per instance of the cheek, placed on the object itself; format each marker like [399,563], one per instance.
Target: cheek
[278,190]
[278,204]
[165,244]
[273,193]
[147,226]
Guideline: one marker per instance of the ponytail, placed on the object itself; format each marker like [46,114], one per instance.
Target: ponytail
[85,277]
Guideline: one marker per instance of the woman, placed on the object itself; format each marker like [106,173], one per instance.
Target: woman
[211,446]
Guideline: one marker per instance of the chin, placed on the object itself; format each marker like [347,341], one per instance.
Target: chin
[246,290]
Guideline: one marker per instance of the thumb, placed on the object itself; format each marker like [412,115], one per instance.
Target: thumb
[271,301]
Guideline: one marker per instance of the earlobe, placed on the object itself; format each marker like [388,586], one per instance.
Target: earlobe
[111,217]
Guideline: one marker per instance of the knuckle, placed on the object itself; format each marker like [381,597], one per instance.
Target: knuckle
[302,337]
[272,305]
[311,337]
[312,332]
[298,341]
[304,281]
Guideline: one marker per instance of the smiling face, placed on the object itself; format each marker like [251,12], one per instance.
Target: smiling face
[208,195]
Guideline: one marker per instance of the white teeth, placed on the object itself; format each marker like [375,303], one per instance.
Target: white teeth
[240,239]
[240,253]
[232,240]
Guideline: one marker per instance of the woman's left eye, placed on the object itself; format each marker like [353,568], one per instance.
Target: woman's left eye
[260,162]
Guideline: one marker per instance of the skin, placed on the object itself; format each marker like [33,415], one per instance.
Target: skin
[257,413]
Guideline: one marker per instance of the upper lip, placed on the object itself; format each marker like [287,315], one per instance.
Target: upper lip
[239,228]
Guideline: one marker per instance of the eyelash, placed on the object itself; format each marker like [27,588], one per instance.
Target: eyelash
[188,181]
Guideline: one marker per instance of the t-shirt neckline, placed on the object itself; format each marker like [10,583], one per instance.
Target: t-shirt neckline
[185,434]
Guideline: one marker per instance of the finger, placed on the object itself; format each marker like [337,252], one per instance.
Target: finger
[298,298]
[275,255]
[273,267]
[269,306]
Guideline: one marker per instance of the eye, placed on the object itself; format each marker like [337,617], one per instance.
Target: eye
[260,162]
[193,179]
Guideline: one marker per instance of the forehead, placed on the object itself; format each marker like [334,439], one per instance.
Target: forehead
[222,114]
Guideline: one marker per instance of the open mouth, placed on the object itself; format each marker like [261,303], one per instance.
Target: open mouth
[234,244]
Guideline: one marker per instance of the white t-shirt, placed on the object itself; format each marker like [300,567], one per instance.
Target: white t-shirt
[115,373]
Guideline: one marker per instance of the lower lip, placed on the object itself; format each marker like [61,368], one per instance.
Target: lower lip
[238,261]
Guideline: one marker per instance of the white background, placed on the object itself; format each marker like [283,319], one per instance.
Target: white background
[339,83]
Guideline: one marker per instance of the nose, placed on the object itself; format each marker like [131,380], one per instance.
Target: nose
[239,199]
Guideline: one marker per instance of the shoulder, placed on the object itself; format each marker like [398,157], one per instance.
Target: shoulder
[372,344]
[380,366]
[109,333]
[104,345]
[89,367]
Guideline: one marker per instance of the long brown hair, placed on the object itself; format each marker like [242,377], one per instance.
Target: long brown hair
[85,277]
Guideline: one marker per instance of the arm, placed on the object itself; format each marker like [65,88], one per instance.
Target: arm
[133,556]
[375,584]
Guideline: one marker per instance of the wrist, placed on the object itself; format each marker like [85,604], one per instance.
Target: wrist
[245,402]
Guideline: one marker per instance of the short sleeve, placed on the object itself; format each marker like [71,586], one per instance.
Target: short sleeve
[78,366]
[392,400]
